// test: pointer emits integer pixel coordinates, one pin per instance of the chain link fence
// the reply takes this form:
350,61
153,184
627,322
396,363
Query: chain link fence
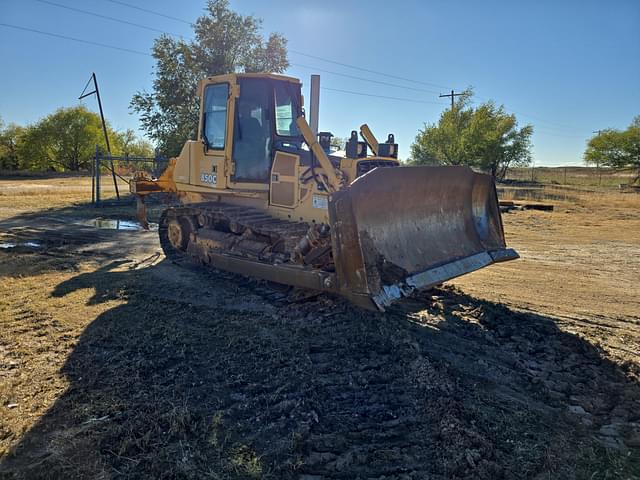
111,174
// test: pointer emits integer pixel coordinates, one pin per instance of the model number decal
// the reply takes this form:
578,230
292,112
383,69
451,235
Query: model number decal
209,178
320,201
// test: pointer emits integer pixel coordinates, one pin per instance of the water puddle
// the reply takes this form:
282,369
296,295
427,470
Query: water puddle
111,224
6,245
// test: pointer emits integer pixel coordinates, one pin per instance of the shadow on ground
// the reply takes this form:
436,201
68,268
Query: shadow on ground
452,387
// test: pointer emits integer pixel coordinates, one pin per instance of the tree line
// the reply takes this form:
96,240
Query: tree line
64,141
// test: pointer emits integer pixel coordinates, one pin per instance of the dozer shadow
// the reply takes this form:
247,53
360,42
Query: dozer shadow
461,388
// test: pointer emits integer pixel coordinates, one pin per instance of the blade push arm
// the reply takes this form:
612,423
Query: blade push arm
335,182
370,138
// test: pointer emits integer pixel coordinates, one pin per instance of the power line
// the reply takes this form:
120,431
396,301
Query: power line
153,12
380,96
106,17
384,74
146,27
554,124
346,65
537,130
65,37
362,78
137,52
533,117
90,42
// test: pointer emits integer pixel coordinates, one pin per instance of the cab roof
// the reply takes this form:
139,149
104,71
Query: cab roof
230,77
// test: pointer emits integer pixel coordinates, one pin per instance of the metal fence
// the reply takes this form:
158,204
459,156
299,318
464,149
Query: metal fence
119,170
573,175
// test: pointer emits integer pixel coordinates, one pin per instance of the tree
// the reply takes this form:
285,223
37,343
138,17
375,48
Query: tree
616,148
64,140
127,144
486,138
225,42
10,136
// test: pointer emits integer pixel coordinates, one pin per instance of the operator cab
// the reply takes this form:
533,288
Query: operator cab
253,116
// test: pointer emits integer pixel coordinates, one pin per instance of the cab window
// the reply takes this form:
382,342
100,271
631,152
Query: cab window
285,111
214,129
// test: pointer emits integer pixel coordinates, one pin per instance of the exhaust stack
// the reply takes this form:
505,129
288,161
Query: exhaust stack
314,104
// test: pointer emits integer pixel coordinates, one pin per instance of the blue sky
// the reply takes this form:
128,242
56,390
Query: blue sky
567,67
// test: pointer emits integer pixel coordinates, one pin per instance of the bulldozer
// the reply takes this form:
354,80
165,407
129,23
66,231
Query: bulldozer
261,194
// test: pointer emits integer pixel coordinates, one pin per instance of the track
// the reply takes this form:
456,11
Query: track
280,235
247,241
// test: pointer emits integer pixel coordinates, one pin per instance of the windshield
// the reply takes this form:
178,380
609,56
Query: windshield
286,110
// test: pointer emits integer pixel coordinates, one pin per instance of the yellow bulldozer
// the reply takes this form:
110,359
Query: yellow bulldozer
263,195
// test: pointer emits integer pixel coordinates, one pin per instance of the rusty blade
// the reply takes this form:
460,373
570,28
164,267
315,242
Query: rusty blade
394,226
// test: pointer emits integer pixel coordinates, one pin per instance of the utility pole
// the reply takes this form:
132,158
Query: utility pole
104,126
452,95
598,163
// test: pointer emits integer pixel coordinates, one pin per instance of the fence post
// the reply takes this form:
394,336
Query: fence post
97,167
93,183
599,175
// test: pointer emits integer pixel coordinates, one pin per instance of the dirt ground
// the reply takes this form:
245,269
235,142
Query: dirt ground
115,363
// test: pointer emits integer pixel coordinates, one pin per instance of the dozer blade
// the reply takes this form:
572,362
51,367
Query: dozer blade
395,230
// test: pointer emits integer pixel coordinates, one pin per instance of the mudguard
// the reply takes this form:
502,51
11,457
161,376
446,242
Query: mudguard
395,230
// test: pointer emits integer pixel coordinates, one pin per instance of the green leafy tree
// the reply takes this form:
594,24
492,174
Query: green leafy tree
485,137
225,42
616,148
126,143
10,137
64,140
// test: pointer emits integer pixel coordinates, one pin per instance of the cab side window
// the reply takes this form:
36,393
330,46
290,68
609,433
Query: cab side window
285,111
214,129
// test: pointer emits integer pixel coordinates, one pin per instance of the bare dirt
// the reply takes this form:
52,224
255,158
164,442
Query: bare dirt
115,363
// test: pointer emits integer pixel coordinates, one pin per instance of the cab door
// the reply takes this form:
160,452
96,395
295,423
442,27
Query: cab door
208,169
